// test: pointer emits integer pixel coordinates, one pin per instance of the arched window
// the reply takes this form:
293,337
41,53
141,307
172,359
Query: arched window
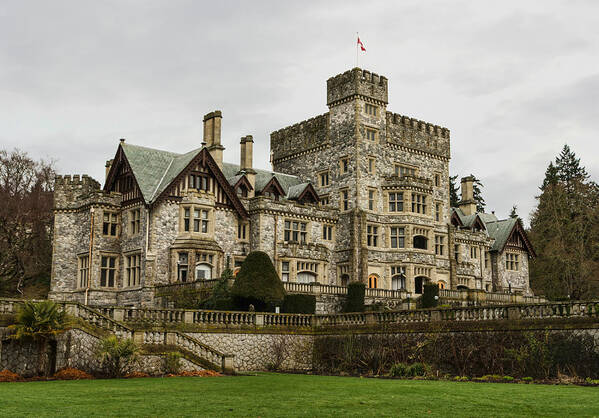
420,242
203,271
344,279
441,284
398,282
419,284
373,281
306,277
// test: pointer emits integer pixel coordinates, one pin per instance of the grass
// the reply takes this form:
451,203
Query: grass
277,395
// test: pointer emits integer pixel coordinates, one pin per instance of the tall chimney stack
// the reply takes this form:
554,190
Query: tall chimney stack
108,167
212,136
246,163
467,204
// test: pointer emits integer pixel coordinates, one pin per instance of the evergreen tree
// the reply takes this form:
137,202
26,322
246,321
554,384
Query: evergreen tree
565,231
478,195
453,191
514,213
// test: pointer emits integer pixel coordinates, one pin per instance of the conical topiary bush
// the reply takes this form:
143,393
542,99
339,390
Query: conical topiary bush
258,283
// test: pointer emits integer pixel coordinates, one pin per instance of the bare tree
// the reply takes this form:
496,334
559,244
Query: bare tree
26,219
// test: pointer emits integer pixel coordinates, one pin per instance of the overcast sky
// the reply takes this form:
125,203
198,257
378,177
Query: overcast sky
512,80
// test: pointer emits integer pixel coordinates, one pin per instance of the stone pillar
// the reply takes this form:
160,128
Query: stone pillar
119,314
138,337
188,317
259,320
171,338
513,313
228,365
371,318
435,316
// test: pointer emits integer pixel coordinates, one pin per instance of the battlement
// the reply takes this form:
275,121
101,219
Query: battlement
77,181
357,82
417,134
299,137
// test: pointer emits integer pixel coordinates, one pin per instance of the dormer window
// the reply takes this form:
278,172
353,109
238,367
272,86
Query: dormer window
199,181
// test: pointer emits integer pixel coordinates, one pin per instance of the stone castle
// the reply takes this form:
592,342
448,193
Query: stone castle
357,193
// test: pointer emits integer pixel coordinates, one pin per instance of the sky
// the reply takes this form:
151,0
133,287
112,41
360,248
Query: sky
513,80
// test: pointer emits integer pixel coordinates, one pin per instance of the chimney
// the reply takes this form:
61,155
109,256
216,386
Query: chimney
212,127
467,204
108,167
245,165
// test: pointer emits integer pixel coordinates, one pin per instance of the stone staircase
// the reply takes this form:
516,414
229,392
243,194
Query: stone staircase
191,349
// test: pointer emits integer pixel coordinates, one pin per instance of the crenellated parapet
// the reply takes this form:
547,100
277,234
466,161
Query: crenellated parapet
302,136
73,192
357,83
418,135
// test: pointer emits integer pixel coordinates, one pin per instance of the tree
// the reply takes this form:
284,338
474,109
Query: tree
40,322
565,231
258,283
478,195
453,191
26,220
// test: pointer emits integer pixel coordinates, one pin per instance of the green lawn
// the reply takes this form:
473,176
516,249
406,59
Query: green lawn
274,395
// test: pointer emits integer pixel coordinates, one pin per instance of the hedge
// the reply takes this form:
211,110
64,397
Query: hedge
355,297
302,304
428,295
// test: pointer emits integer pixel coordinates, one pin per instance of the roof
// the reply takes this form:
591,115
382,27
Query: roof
288,182
155,169
500,230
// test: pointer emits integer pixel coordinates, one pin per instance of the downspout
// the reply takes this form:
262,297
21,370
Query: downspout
274,253
91,245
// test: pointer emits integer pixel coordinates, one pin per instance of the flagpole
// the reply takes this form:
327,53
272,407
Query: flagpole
357,37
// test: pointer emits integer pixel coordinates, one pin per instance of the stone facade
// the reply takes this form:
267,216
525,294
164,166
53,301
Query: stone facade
358,193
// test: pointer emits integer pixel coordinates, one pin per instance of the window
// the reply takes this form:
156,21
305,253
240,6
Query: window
324,179
83,273
182,267
237,266
437,179
199,182
285,271
132,270
420,242
344,274
371,165
107,271
418,203
203,271
324,200
473,252
373,281
307,272
512,262
344,165
398,277
295,231
438,212
441,284
344,199
196,218
456,252
402,170
134,224
396,202
110,224
370,109
371,134
397,237
242,230
371,199
372,235
439,245
487,259
327,232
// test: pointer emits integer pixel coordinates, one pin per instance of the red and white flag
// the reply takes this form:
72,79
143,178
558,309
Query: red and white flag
361,45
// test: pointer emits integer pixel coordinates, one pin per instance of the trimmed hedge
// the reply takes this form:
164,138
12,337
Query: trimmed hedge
428,295
303,304
355,297
257,283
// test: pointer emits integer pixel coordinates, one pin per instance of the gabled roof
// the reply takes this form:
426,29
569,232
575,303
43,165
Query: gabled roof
264,177
468,221
302,192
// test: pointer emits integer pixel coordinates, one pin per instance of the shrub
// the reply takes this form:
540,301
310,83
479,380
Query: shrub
508,379
399,370
118,356
172,362
355,297
418,369
301,304
428,295
257,283
220,298
8,376
72,374
527,379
